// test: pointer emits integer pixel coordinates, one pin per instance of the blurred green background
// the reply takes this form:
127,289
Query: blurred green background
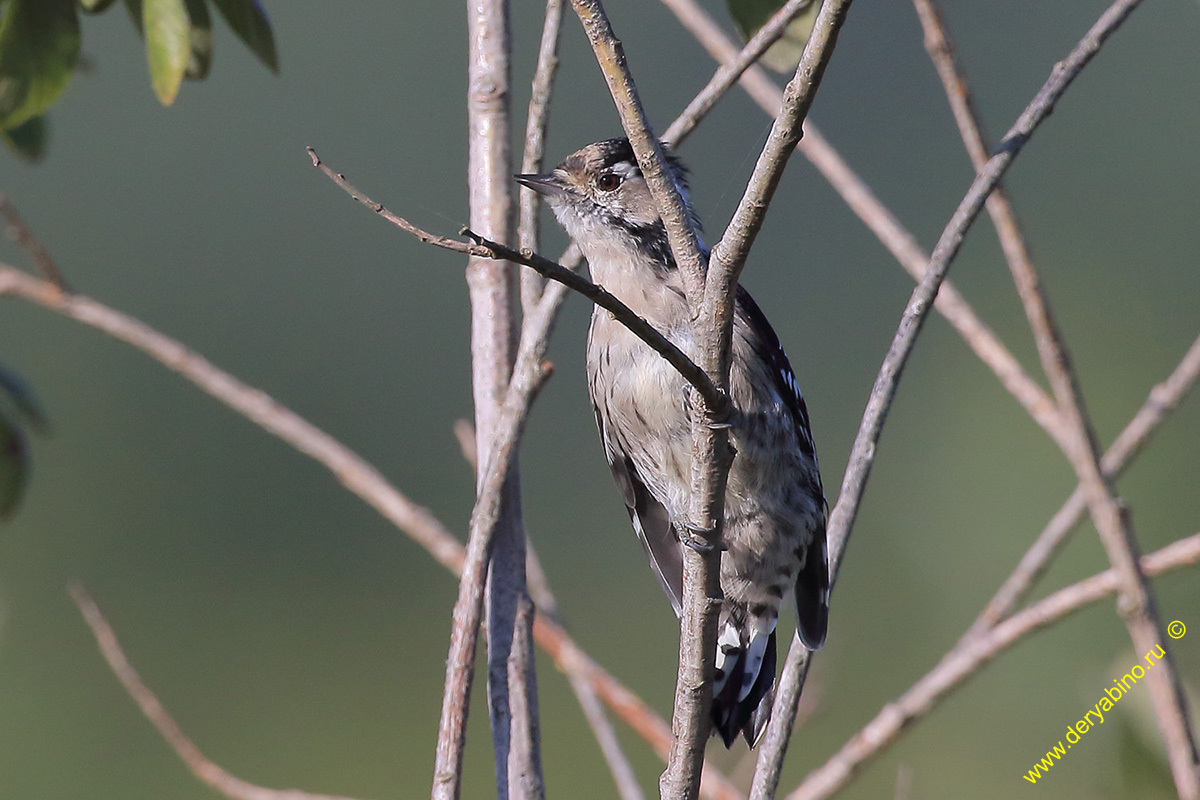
300,640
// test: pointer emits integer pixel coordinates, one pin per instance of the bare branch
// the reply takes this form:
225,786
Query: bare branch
24,237
206,771
358,476
1138,604
646,146
863,453
899,242
732,69
1162,400
535,140
961,663
729,254
485,248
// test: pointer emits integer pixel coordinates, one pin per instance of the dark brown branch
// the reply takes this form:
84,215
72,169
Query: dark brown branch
206,771
485,248
24,237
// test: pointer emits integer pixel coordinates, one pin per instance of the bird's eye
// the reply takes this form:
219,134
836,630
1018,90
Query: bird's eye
608,181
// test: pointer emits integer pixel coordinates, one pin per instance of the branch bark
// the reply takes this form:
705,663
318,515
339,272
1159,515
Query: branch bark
1138,605
961,663
205,770
358,476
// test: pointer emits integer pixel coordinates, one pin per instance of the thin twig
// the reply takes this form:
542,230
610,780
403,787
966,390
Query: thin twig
205,770
899,242
1138,605
1162,399
610,55
485,248
535,144
960,664
24,237
711,455
527,378
732,69
358,476
729,254
862,455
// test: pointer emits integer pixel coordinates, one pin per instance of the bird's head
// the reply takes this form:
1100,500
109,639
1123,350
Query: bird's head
599,195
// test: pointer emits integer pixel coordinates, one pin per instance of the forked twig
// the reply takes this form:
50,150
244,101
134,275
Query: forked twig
1139,606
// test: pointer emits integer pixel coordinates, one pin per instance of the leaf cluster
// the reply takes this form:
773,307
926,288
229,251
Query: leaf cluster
40,44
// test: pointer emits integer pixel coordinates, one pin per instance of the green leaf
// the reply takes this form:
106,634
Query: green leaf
784,55
134,7
95,6
39,45
28,140
249,22
23,400
200,40
168,47
14,467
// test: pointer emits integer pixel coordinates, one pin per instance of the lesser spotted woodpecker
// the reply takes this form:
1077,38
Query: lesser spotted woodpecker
775,510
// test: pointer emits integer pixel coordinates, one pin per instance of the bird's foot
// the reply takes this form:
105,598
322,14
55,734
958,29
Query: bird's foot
697,536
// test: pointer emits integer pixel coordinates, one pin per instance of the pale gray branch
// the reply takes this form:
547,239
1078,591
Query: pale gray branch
899,242
535,140
24,237
732,69
205,770
1138,605
961,663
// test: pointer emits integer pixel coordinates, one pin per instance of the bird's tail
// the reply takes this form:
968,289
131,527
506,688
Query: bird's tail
744,686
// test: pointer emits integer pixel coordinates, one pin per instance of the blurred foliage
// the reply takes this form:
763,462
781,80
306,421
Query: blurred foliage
17,403
784,55
40,43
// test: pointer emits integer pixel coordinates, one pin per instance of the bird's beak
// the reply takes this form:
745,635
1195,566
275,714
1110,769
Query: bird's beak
548,184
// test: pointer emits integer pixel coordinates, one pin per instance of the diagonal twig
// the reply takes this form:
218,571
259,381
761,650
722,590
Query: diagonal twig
485,248
205,770
1138,605
899,242
961,663
353,472
536,121
24,237
732,69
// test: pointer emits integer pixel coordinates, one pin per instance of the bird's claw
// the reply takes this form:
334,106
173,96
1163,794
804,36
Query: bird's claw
689,536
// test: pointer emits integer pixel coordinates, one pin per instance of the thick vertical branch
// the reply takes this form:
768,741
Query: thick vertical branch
500,537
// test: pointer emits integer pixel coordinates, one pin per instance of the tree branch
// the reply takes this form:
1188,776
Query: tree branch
732,69
535,139
358,476
1138,605
961,663
206,771
1162,399
646,147
879,220
24,237
485,248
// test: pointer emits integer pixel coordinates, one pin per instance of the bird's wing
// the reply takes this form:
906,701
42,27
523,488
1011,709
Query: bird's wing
650,519
812,584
